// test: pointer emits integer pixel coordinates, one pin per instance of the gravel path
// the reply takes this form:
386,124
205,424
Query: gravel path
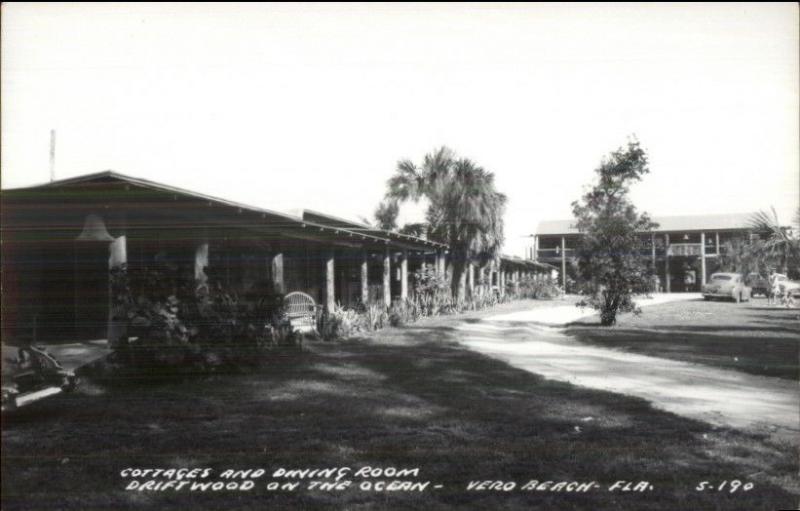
533,340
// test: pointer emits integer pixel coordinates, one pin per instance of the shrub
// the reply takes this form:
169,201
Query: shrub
402,313
432,294
375,316
341,323
172,323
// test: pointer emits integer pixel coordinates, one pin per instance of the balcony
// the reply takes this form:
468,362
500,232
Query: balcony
553,254
692,249
684,249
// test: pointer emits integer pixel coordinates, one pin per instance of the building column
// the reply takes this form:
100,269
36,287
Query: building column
200,263
564,263
364,277
404,275
387,279
471,279
330,287
716,240
702,259
277,272
116,328
653,249
667,285
462,284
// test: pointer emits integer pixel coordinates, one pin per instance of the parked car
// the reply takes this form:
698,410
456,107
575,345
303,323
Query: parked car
30,374
727,285
789,285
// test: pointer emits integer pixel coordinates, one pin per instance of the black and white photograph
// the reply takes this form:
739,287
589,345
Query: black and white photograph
400,256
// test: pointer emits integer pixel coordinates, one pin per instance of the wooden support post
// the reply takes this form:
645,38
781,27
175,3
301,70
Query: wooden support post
471,280
653,250
702,259
462,283
564,263
387,279
118,256
277,272
330,288
404,276
667,284
364,277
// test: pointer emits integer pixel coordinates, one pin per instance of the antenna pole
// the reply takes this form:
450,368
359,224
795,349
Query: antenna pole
52,155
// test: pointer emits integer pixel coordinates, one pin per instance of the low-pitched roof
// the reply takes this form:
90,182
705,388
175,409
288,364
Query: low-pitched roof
318,220
350,225
718,222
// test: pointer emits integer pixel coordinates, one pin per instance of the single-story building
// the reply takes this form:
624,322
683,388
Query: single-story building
684,250
60,241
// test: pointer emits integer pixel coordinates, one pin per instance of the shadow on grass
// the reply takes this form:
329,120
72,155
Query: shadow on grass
403,398
755,349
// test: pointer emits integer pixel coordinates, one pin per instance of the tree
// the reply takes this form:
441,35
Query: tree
744,256
386,215
611,268
778,244
465,211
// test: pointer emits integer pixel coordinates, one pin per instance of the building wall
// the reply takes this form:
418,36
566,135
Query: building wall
678,256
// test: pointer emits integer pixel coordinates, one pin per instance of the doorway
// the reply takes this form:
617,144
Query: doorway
90,290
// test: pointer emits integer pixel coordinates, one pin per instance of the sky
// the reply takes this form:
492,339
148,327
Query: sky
311,106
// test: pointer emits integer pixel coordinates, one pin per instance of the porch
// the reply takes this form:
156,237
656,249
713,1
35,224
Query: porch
62,239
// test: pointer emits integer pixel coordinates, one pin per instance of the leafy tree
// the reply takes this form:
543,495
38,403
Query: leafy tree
611,268
386,215
744,257
778,245
465,210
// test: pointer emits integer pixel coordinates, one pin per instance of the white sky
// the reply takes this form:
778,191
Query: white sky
291,106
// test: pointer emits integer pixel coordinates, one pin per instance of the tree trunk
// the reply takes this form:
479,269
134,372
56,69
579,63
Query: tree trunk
458,284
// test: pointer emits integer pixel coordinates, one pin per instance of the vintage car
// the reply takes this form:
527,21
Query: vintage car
784,284
30,374
727,285
792,286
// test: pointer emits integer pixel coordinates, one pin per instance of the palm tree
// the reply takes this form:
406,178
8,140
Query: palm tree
779,243
465,211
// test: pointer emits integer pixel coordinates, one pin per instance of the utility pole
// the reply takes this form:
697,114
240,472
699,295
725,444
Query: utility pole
52,155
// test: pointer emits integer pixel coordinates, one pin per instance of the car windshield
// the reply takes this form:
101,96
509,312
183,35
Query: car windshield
720,277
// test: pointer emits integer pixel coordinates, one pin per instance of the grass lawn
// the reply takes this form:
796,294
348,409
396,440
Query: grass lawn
403,398
751,337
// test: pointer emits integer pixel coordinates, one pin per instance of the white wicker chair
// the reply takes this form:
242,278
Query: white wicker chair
301,310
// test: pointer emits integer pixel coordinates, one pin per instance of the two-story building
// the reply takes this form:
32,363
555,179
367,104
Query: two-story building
684,250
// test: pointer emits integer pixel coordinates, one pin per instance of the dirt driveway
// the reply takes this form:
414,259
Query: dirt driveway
720,397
